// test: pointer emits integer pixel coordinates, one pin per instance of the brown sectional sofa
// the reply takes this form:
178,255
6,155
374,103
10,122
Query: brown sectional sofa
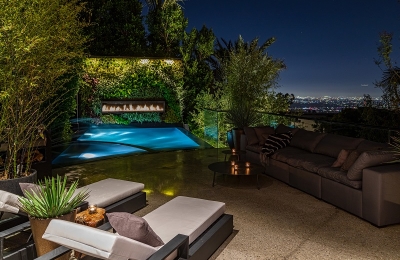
369,187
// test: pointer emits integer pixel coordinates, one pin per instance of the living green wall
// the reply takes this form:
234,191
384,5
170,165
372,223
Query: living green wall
132,78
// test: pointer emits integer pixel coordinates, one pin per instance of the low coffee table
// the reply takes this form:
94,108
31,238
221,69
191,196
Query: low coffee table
227,169
236,153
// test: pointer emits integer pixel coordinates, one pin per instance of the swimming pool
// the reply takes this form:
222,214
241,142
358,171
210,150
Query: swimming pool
100,142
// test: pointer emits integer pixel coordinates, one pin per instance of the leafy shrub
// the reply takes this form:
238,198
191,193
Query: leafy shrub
114,119
152,117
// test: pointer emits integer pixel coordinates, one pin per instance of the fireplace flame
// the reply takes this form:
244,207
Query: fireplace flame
132,108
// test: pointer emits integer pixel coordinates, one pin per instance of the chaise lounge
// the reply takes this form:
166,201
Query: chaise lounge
112,194
191,228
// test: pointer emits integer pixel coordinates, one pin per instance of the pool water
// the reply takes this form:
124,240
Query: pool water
100,142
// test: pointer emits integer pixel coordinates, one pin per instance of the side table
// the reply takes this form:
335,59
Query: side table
87,218
227,169
91,219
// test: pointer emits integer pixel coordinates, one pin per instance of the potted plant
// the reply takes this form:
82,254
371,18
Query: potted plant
50,199
41,46
249,73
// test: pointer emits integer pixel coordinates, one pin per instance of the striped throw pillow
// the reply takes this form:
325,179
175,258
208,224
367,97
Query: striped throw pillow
276,142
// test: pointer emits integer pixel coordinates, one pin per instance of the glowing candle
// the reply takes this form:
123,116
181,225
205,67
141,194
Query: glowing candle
247,164
232,163
233,150
92,209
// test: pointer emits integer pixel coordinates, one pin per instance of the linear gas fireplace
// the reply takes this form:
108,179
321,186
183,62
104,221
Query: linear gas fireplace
129,106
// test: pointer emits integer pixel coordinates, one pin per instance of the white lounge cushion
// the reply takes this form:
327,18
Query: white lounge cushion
96,242
184,215
9,202
108,191
181,215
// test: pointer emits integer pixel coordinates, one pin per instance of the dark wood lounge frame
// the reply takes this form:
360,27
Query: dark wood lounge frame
200,249
28,252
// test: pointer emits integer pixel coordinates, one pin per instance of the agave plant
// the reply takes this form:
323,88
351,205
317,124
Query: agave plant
52,198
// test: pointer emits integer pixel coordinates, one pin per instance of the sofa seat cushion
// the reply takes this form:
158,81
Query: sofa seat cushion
332,144
310,162
284,154
369,159
109,191
184,215
254,148
336,174
306,140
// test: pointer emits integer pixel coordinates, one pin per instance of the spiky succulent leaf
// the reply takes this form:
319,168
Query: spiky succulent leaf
52,199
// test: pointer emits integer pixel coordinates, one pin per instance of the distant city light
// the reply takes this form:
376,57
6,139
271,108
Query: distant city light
327,104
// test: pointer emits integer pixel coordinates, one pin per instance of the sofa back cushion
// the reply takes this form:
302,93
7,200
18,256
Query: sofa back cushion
281,129
367,145
332,144
306,140
369,159
263,132
251,135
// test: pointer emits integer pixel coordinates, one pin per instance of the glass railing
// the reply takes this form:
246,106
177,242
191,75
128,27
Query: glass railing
216,127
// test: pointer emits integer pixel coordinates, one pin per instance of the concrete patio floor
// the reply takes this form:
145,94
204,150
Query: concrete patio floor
275,222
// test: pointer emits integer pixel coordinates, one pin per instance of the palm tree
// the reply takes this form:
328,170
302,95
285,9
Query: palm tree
224,49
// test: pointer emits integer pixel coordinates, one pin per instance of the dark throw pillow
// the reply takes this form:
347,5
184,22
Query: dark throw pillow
134,227
351,158
29,187
275,142
341,158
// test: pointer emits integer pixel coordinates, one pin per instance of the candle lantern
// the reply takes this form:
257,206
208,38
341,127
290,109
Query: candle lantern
92,209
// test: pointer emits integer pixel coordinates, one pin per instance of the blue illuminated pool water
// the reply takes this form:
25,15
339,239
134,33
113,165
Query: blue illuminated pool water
100,142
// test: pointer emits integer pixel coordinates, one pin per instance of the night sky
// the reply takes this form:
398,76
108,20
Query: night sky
328,46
